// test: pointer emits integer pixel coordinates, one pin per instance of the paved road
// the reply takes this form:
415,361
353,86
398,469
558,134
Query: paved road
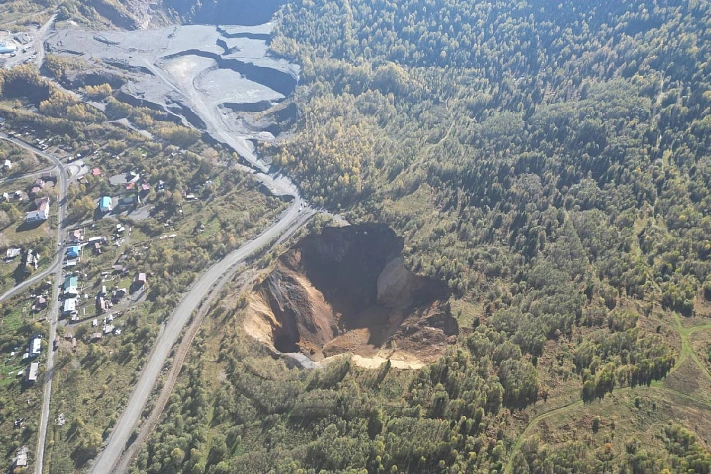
36,174
129,454
56,267
164,343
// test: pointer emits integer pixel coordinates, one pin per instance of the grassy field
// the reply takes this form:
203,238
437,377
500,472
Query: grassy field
640,413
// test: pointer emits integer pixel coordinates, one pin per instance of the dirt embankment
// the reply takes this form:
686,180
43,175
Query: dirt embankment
348,291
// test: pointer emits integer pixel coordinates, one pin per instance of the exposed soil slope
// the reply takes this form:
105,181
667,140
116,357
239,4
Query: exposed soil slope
348,291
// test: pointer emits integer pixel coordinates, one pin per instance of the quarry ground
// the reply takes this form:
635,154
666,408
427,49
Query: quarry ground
215,78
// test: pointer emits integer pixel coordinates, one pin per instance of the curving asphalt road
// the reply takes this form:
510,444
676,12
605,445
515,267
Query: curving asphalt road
107,460
56,267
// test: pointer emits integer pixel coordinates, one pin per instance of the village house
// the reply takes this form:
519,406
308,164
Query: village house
70,286
120,269
31,259
75,236
102,240
70,307
73,252
37,186
21,456
42,212
102,303
106,204
13,252
139,281
40,303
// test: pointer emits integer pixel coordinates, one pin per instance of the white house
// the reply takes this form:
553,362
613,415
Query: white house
13,252
70,306
42,212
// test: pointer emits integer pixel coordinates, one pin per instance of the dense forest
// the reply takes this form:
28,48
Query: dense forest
548,137
550,162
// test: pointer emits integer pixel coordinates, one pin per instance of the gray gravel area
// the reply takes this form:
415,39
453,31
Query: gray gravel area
202,68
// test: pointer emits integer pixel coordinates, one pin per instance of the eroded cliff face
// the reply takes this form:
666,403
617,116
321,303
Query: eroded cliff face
347,290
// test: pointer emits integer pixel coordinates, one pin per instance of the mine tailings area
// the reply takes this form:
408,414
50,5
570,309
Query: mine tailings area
347,290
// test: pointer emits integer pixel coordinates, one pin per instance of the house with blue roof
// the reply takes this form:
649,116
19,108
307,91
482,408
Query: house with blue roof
70,285
106,204
73,251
